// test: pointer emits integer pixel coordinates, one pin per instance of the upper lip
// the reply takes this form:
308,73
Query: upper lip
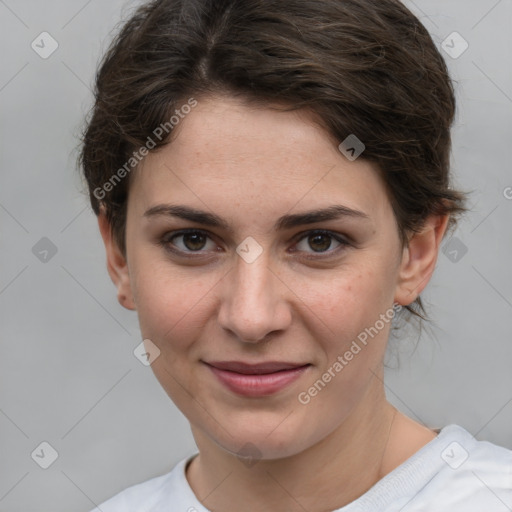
255,369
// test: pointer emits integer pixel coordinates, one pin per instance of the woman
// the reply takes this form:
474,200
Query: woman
271,181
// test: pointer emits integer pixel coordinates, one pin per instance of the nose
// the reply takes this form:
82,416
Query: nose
253,303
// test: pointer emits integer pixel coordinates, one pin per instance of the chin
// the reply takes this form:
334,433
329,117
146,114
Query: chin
252,442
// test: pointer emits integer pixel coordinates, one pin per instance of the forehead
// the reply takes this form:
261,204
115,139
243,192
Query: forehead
227,153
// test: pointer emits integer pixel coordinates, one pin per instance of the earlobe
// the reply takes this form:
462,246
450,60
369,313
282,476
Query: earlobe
419,259
116,264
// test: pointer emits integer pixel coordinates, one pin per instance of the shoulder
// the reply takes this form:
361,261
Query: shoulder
477,463
170,488
454,472
471,475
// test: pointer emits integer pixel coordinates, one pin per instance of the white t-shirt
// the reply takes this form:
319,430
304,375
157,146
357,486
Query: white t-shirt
452,473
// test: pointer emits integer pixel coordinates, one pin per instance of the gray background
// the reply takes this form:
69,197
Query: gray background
68,375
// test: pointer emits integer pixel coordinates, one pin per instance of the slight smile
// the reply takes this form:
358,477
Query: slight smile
256,380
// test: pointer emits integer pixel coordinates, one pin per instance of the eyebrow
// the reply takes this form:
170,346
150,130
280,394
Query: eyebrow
287,221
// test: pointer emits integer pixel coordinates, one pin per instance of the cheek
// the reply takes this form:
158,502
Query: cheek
171,305
172,308
353,352
346,303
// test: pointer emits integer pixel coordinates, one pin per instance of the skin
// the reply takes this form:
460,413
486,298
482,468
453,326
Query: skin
302,300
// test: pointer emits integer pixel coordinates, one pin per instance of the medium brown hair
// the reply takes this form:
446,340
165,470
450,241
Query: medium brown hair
363,67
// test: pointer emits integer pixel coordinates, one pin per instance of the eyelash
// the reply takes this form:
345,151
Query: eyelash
165,242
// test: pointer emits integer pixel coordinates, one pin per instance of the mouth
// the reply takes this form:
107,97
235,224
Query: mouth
256,380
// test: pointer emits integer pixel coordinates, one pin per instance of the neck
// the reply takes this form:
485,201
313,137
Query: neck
325,476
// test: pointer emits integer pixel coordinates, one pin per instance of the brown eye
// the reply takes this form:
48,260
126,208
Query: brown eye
320,242
188,242
194,241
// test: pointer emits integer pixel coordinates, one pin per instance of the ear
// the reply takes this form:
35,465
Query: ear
116,264
419,259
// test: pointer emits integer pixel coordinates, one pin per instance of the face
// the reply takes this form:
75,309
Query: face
249,292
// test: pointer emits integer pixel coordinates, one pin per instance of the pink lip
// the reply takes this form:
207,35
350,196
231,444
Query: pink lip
256,379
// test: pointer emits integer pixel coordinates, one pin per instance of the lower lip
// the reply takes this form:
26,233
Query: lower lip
258,385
